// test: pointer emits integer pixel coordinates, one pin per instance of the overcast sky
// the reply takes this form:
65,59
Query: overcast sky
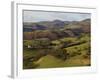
36,16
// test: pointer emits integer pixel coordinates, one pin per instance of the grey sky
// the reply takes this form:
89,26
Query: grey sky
36,16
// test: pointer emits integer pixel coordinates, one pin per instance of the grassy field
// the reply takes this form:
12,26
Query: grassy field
51,62
78,56
62,52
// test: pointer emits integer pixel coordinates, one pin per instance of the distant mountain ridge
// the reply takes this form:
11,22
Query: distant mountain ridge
51,25
56,29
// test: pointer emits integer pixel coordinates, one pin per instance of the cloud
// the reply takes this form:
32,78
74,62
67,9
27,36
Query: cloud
36,16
